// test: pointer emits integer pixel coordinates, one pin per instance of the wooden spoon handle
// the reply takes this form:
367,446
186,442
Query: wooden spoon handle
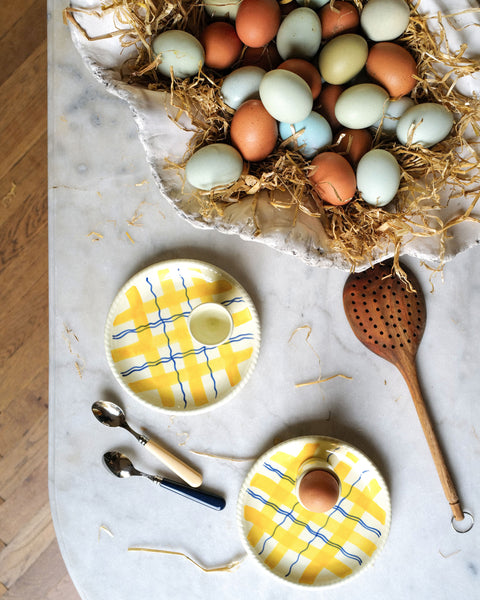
409,373
186,472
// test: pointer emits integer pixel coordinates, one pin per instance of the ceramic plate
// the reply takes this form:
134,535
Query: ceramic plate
151,351
307,548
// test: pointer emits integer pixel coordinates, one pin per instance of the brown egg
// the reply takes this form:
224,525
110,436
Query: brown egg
342,18
333,178
221,44
266,57
306,71
326,103
318,490
253,131
393,67
257,22
353,144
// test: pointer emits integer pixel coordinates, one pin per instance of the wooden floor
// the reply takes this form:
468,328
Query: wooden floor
31,567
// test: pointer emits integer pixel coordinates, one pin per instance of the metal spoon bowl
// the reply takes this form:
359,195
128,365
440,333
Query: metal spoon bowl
111,415
121,466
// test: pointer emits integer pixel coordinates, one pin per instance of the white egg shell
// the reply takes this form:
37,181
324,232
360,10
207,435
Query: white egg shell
286,96
393,111
222,8
425,124
241,85
214,165
378,177
180,51
313,3
316,134
361,105
384,20
300,34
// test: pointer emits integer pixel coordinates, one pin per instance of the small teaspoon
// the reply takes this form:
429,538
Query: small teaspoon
121,466
111,415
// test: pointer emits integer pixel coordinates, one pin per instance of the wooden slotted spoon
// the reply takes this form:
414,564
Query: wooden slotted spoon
390,320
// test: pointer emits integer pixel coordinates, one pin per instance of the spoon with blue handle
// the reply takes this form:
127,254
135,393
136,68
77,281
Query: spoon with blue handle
121,466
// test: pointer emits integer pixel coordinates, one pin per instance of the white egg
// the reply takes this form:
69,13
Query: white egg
179,51
393,111
425,124
222,8
241,85
361,105
316,134
378,177
214,165
286,96
300,34
384,20
313,3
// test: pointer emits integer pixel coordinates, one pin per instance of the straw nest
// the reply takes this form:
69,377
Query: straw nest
357,230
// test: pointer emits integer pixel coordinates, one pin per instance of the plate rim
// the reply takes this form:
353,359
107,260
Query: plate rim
167,264
240,504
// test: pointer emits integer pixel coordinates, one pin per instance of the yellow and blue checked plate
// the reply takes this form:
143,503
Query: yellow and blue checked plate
149,346
304,547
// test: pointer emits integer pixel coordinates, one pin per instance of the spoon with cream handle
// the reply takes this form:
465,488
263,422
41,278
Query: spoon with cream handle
111,415
121,466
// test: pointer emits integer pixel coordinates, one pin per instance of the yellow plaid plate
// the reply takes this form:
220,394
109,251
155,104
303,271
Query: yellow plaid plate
149,346
304,547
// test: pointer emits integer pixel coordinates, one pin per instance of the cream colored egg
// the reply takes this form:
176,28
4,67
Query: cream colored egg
300,34
361,105
286,96
384,20
342,58
178,51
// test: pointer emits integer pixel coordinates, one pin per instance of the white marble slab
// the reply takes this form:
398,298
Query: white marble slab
99,182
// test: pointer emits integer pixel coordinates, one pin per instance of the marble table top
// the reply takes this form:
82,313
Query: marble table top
107,221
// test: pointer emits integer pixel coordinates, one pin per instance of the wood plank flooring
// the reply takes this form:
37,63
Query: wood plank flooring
31,567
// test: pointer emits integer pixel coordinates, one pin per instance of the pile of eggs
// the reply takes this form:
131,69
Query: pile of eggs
330,77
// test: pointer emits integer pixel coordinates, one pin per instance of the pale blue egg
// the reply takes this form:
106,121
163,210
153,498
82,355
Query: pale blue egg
316,134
